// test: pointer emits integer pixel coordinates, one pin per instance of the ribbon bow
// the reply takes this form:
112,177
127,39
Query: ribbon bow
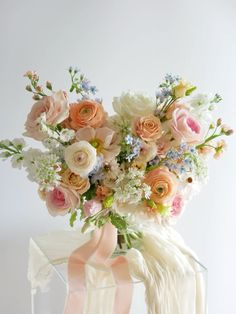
99,250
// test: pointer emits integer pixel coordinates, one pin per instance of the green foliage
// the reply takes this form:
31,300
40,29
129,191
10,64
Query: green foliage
118,221
73,218
190,90
90,194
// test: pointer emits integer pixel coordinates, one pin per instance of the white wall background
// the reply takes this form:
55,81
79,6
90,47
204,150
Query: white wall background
120,45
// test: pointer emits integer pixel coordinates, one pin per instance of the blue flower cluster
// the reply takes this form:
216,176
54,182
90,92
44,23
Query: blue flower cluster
165,88
81,84
180,160
171,79
135,144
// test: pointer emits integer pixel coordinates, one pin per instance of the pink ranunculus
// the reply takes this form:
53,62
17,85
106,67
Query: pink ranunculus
61,200
177,205
92,207
185,127
56,109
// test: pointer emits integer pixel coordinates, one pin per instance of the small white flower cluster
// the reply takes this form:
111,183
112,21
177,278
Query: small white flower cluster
63,136
130,188
42,168
54,147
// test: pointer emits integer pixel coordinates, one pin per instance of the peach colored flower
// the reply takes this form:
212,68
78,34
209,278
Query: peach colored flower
87,113
163,185
102,192
205,150
81,158
163,145
56,109
75,182
61,200
148,128
91,207
148,152
104,140
220,148
185,127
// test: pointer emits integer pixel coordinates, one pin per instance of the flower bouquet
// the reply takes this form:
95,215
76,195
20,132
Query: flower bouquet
130,172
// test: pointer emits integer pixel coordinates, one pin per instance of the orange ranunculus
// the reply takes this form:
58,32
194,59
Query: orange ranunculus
86,113
163,185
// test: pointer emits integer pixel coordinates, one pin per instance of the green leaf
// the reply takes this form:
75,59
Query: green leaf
73,218
72,88
119,222
90,193
189,91
85,226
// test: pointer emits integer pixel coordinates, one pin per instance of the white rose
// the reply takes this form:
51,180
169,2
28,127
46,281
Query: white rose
81,158
130,104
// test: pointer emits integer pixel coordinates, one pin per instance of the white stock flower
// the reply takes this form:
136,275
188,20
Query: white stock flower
42,168
17,161
130,105
66,135
81,158
19,142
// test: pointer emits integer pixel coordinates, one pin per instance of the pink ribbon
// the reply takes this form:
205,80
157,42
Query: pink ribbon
99,249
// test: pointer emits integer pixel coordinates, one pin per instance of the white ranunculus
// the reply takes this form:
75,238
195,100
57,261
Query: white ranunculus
130,104
81,158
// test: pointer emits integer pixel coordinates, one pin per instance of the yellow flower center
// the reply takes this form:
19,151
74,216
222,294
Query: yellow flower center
96,143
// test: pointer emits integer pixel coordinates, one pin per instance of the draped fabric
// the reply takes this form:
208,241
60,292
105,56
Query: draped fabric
169,270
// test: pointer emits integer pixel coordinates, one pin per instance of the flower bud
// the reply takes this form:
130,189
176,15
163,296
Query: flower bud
229,132
218,122
28,88
36,97
49,85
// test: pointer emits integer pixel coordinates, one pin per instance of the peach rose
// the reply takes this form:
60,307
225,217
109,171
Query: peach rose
75,182
148,128
81,158
55,107
61,200
163,185
185,127
86,113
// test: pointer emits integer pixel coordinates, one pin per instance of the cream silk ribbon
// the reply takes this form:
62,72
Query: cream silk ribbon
98,251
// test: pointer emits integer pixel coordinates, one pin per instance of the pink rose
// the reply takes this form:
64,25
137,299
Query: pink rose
61,200
92,207
56,109
177,205
185,127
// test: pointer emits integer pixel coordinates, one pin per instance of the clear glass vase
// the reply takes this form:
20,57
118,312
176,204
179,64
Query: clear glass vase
52,299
